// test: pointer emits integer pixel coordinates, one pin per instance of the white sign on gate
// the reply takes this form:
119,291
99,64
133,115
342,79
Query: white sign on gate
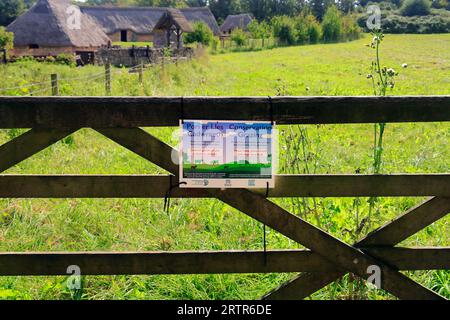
227,154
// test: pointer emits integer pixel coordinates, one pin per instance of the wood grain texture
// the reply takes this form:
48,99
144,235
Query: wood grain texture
391,234
330,248
28,144
156,186
205,262
105,112
409,223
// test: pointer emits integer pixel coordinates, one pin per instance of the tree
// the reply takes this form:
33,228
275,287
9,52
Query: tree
197,3
319,7
147,3
259,30
346,6
202,34
238,36
6,39
29,3
10,10
332,24
222,8
415,8
284,29
260,9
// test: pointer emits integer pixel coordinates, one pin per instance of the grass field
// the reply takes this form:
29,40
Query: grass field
140,224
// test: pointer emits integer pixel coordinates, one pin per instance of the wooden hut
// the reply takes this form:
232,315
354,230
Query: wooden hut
169,29
46,30
237,21
135,24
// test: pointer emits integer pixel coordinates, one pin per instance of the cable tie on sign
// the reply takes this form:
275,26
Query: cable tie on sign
264,229
182,110
169,193
271,110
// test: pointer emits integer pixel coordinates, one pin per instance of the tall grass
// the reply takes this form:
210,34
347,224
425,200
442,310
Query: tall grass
206,224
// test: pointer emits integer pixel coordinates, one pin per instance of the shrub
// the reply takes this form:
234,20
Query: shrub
416,24
314,32
301,30
415,8
314,28
202,34
350,28
50,59
66,59
254,28
437,22
284,29
332,25
307,28
238,36
6,39
214,43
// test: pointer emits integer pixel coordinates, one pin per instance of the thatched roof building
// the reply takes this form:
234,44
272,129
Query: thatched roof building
47,29
238,21
173,17
169,29
137,23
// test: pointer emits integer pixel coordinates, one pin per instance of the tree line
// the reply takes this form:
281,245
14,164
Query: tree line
260,9
284,30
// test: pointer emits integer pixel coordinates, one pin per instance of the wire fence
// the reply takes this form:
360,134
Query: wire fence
51,87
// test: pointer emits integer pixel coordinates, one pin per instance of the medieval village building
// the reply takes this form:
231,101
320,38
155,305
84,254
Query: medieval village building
136,24
47,28
237,21
169,29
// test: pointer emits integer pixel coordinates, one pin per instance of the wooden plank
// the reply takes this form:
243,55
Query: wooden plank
143,186
28,144
136,140
302,286
103,112
330,248
307,283
412,221
412,258
91,186
197,262
394,232
204,262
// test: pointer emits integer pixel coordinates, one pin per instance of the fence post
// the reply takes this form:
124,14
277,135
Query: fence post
163,60
55,86
141,73
108,79
4,56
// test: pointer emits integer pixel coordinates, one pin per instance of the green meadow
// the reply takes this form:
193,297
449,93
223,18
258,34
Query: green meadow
202,224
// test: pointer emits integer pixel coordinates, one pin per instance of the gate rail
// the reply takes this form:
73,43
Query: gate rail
328,258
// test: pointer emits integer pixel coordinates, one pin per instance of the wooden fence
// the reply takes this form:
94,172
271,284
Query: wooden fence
328,258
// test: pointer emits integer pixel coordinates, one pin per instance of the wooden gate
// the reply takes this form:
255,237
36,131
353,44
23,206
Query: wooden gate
120,119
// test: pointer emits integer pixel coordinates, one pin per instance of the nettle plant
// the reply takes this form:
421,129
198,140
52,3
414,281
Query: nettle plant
383,79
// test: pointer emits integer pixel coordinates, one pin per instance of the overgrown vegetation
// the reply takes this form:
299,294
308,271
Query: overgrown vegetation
415,8
202,34
6,39
411,16
238,36
196,224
